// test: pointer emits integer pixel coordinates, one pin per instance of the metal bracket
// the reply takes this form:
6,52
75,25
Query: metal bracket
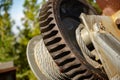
106,40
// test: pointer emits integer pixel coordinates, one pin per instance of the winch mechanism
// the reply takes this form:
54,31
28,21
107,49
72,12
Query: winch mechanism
75,43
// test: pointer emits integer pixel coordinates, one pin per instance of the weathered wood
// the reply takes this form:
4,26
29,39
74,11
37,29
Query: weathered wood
7,71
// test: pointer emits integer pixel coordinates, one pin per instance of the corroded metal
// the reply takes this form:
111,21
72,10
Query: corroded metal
58,21
109,7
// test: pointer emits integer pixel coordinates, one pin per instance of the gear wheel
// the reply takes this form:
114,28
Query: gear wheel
58,22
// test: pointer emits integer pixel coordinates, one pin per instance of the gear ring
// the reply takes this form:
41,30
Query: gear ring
56,36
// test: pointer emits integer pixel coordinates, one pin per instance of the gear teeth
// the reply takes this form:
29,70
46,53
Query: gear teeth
50,27
48,41
58,56
92,77
45,16
54,41
70,66
49,34
64,60
46,5
45,8
75,72
43,11
58,48
46,22
60,52
83,76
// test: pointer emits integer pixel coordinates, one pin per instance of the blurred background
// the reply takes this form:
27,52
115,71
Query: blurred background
18,24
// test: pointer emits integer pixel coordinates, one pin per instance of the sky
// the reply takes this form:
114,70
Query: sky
17,13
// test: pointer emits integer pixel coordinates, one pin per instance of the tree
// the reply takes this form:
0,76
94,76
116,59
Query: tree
31,29
6,36
14,48
93,3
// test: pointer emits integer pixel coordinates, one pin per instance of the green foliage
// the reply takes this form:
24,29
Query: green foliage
14,48
28,75
6,36
31,29
5,5
95,6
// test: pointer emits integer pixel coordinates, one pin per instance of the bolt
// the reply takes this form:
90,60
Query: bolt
118,23
102,26
98,27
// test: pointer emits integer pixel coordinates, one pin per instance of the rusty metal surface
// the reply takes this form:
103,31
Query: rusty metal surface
58,21
109,7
